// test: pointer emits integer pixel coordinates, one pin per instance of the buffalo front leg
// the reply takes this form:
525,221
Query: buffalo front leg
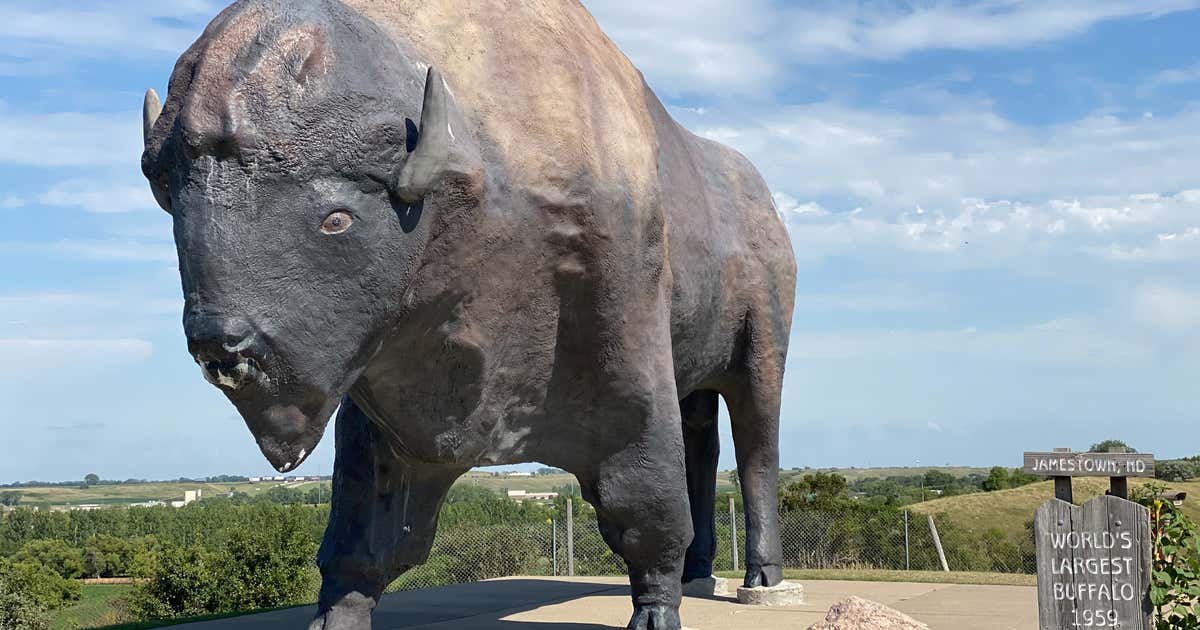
640,496
382,522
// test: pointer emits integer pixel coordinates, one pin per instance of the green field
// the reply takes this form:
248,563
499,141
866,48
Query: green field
46,496
96,609
1009,510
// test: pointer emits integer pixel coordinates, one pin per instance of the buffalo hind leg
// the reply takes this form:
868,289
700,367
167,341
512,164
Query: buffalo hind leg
753,401
702,447
640,496
382,522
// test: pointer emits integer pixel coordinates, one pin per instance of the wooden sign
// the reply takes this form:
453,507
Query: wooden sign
1068,464
1093,565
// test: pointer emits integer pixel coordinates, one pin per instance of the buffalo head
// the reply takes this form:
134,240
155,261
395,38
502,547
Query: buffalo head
302,192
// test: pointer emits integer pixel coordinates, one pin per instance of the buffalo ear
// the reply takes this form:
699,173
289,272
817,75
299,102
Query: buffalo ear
151,109
431,157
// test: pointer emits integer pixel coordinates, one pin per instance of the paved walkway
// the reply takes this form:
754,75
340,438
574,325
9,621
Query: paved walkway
528,603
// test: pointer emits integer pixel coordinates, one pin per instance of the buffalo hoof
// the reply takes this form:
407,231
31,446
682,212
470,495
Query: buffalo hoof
654,618
339,618
763,575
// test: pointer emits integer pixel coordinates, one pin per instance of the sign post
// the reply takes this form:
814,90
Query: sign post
1093,561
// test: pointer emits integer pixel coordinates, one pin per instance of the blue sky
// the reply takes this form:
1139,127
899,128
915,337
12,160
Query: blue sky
995,207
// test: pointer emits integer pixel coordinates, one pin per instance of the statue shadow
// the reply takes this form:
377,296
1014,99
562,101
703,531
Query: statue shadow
488,605
476,606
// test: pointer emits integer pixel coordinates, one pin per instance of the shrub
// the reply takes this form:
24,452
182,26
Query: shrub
185,582
42,586
105,555
266,565
1178,470
55,554
18,612
1175,575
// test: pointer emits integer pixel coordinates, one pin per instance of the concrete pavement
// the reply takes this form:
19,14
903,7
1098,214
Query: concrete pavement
532,603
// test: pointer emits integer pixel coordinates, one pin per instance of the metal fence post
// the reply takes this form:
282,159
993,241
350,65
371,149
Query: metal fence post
554,545
907,562
733,550
570,536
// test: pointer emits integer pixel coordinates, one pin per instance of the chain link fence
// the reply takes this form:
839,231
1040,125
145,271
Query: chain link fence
811,539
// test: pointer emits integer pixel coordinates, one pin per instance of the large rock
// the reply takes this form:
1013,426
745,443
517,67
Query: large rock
856,613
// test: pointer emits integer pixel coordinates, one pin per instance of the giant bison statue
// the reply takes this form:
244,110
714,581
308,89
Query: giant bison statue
472,226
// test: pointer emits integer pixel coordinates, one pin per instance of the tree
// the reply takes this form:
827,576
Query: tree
55,555
819,490
91,479
38,585
997,479
18,611
1111,446
939,479
10,498
1178,470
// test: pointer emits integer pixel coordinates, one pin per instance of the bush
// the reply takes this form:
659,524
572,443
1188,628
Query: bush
105,555
18,612
1175,576
44,587
64,559
266,565
26,592
185,582
1177,470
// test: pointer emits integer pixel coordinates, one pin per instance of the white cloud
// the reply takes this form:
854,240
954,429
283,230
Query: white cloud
889,30
23,356
133,310
897,160
71,139
102,27
1062,342
1126,229
1168,308
698,45
1169,77
744,46
116,250
1170,246
99,197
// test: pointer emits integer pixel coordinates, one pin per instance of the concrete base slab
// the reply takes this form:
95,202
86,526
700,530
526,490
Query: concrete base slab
707,587
602,603
783,594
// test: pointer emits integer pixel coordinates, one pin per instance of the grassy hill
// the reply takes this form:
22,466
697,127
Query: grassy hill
1009,510
46,496
123,494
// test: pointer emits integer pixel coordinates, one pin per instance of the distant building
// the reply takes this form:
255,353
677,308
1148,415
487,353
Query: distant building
85,507
189,496
521,496
255,479
147,504
520,474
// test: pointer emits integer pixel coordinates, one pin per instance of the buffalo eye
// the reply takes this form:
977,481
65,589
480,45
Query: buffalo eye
337,222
